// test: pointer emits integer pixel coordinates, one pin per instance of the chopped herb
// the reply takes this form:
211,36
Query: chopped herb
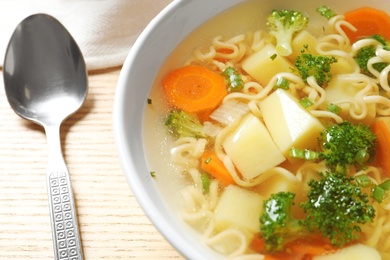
149,101
333,108
385,185
205,182
282,83
153,174
273,56
306,102
303,154
326,12
378,193
234,79
363,180
208,160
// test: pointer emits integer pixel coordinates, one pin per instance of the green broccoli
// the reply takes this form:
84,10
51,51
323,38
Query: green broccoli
317,66
278,226
342,145
184,124
336,207
364,54
283,24
346,144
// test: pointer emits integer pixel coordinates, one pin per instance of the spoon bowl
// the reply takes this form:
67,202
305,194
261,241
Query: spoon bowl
45,81
44,69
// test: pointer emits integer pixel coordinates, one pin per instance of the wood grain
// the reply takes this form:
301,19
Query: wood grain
112,224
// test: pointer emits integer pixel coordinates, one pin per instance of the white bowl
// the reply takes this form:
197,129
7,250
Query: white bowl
137,77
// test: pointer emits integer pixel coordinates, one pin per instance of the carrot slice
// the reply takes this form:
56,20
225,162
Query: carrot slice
382,133
223,51
368,21
215,167
311,246
194,88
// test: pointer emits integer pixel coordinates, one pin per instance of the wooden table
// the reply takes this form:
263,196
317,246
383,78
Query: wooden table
112,224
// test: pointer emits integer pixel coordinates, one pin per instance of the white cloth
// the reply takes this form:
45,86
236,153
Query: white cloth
105,30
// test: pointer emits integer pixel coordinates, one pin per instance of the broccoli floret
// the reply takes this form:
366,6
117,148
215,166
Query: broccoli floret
317,66
278,226
364,54
342,145
336,207
283,24
184,124
346,144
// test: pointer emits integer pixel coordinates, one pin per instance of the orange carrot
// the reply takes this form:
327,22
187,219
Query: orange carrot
223,51
215,167
312,246
194,88
368,21
257,244
382,133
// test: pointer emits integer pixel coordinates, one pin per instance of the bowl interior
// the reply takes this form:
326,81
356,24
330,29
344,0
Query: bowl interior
162,46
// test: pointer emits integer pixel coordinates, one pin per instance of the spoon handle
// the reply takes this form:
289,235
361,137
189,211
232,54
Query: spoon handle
65,231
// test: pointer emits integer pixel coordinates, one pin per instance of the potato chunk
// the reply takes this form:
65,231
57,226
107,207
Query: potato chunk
302,39
289,123
339,89
251,149
239,208
265,64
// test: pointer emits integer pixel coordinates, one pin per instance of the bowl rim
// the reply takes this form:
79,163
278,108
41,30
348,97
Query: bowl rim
186,246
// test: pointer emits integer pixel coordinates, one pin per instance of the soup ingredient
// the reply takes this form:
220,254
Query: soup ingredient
289,123
341,89
364,54
215,167
342,145
206,181
277,224
336,207
367,21
239,208
346,144
284,24
326,12
265,64
230,111
355,252
251,148
184,124
194,88
380,127
318,66
234,78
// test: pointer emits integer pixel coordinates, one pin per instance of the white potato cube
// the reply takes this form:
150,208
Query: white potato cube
251,149
240,208
289,123
355,252
339,89
263,65
299,41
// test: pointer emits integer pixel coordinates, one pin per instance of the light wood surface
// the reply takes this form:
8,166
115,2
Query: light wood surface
112,224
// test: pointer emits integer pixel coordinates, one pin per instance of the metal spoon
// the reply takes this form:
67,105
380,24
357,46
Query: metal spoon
45,81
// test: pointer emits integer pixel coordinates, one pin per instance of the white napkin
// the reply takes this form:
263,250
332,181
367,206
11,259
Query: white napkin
104,29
